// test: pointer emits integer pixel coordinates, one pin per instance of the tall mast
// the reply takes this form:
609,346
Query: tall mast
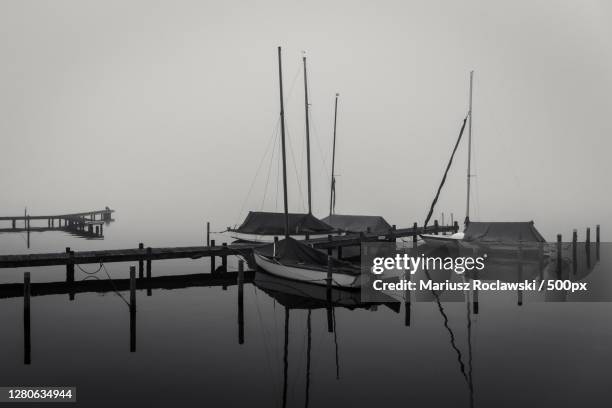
282,117
332,195
469,166
307,134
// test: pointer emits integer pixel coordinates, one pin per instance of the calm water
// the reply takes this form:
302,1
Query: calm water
188,351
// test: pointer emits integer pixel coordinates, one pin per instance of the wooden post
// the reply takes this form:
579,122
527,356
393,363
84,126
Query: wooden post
240,301
133,287
436,227
101,229
132,309
212,258
559,254
70,271
597,243
456,227
392,233
224,257
149,250
330,319
140,262
361,241
97,230
339,252
329,249
407,301
587,246
574,250
414,236
13,224
207,233
588,235
27,345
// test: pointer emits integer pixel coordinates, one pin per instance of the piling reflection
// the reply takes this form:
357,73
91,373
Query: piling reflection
340,310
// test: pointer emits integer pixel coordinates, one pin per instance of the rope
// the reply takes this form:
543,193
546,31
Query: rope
113,285
259,166
269,170
110,279
89,273
435,200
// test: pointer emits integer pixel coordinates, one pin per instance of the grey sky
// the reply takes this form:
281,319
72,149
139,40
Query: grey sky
156,108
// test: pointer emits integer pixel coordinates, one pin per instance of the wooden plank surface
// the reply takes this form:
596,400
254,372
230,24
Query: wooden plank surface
135,254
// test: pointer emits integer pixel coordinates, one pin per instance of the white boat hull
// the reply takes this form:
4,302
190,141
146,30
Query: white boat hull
313,276
269,238
443,241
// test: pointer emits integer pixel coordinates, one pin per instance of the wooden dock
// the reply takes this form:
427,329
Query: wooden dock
88,224
15,290
71,258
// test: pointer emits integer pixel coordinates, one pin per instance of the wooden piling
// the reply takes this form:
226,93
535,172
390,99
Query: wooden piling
207,233
132,309
141,262
148,255
456,227
133,287
597,234
330,318
436,227
587,246
329,250
588,235
70,271
559,254
392,237
240,301
27,345
414,237
224,257
574,250
212,258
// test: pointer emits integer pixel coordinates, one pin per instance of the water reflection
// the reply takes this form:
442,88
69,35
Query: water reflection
439,334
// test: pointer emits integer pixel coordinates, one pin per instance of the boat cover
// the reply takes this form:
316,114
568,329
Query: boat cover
502,232
358,223
289,251
272,223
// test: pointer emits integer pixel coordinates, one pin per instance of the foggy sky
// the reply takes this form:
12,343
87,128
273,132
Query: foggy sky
166,108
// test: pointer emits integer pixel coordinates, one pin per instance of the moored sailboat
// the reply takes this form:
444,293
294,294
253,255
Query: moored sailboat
291,259
495,235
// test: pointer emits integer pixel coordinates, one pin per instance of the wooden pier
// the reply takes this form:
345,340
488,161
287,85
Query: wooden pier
89,224
140,253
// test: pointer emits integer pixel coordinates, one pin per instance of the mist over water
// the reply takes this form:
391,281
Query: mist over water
167,112
164,111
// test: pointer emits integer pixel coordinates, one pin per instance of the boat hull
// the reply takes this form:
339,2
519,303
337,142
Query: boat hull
267,239
313,276
441,241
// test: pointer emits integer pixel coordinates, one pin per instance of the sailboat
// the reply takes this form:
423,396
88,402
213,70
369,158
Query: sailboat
292,259
500,235
261,226
348,223
454,239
